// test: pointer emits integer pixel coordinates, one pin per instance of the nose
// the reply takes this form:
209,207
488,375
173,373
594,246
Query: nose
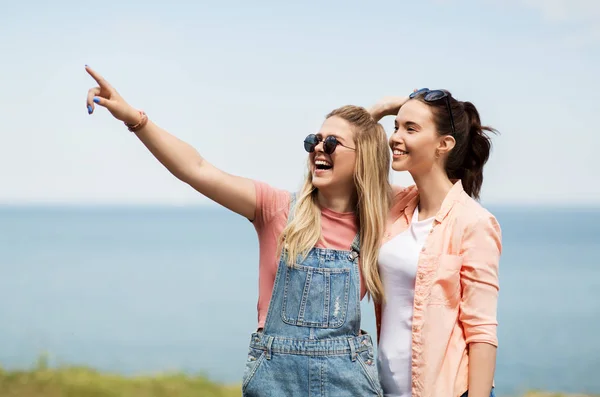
320,147
396,137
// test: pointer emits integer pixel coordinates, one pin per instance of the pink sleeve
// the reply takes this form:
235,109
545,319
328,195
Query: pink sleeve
482,246
269,201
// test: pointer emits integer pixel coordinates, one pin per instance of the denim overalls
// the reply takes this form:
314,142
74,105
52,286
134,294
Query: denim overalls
311,344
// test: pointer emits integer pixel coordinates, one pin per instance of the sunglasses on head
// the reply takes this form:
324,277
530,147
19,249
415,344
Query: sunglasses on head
329,144
435,95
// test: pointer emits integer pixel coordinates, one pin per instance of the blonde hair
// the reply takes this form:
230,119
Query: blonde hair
373,193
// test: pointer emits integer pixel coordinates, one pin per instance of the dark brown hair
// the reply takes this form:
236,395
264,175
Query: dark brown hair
473,145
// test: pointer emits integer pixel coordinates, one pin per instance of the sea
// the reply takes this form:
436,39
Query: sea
145,290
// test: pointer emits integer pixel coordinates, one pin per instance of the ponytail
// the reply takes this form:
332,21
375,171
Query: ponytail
472,149
477,151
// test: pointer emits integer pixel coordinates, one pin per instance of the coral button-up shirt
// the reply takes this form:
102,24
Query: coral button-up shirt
456,289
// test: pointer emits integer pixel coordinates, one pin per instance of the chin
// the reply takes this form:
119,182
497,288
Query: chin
330,183
399,166
321,182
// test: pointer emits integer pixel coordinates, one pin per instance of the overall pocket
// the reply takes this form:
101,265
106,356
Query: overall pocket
255,358
366,360
315,297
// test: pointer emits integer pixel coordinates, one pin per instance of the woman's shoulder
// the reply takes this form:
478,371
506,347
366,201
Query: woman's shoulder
473,215
271,202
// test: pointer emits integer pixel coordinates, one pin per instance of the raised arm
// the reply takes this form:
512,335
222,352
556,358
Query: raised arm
181,159
387,106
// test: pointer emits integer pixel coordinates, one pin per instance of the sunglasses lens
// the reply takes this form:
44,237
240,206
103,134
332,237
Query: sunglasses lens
310,142
418,92
330,144
435,95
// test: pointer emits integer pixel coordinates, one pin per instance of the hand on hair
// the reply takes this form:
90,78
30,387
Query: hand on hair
106,96
387,106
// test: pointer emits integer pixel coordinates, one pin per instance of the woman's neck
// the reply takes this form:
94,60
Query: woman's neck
433,187
337,202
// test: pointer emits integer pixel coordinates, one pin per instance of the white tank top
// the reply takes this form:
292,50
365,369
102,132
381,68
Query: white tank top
398,259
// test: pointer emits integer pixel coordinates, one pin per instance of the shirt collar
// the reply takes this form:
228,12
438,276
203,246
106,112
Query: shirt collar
410,199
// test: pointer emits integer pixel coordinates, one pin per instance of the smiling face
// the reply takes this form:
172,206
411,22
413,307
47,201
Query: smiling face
335,170
416,144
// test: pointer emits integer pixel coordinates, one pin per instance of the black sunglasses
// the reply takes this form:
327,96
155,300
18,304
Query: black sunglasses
435,95
329,143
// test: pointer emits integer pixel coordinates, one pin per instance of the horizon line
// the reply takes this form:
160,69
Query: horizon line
211,205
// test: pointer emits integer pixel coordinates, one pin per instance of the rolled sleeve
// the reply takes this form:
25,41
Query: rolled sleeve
481,250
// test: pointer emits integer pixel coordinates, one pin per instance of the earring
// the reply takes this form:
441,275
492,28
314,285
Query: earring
437,154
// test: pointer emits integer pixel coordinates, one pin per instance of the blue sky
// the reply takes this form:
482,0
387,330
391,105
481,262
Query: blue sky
244,82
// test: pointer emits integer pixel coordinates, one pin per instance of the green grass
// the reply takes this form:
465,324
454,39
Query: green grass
545,394
42,381
69,381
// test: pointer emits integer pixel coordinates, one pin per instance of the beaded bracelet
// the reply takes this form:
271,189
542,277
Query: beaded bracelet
141,124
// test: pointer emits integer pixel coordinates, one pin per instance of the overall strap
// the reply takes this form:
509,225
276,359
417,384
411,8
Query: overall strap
356,243
355,247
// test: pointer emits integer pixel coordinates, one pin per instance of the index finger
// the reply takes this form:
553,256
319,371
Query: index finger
96,76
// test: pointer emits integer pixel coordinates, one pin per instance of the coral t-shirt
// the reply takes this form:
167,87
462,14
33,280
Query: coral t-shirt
272,208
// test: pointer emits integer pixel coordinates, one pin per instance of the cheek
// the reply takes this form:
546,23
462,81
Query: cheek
420,148
345,165
420,157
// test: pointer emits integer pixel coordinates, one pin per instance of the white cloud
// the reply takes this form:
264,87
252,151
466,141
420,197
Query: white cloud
568,11
579,16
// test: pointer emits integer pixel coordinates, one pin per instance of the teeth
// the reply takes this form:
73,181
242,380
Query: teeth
322,162
399,152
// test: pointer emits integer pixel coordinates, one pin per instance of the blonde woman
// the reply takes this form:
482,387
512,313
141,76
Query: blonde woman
318,248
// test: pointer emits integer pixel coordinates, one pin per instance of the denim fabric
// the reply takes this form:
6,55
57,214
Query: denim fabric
312,344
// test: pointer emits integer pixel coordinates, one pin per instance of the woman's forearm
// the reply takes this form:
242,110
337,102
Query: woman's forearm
482,364
387,106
